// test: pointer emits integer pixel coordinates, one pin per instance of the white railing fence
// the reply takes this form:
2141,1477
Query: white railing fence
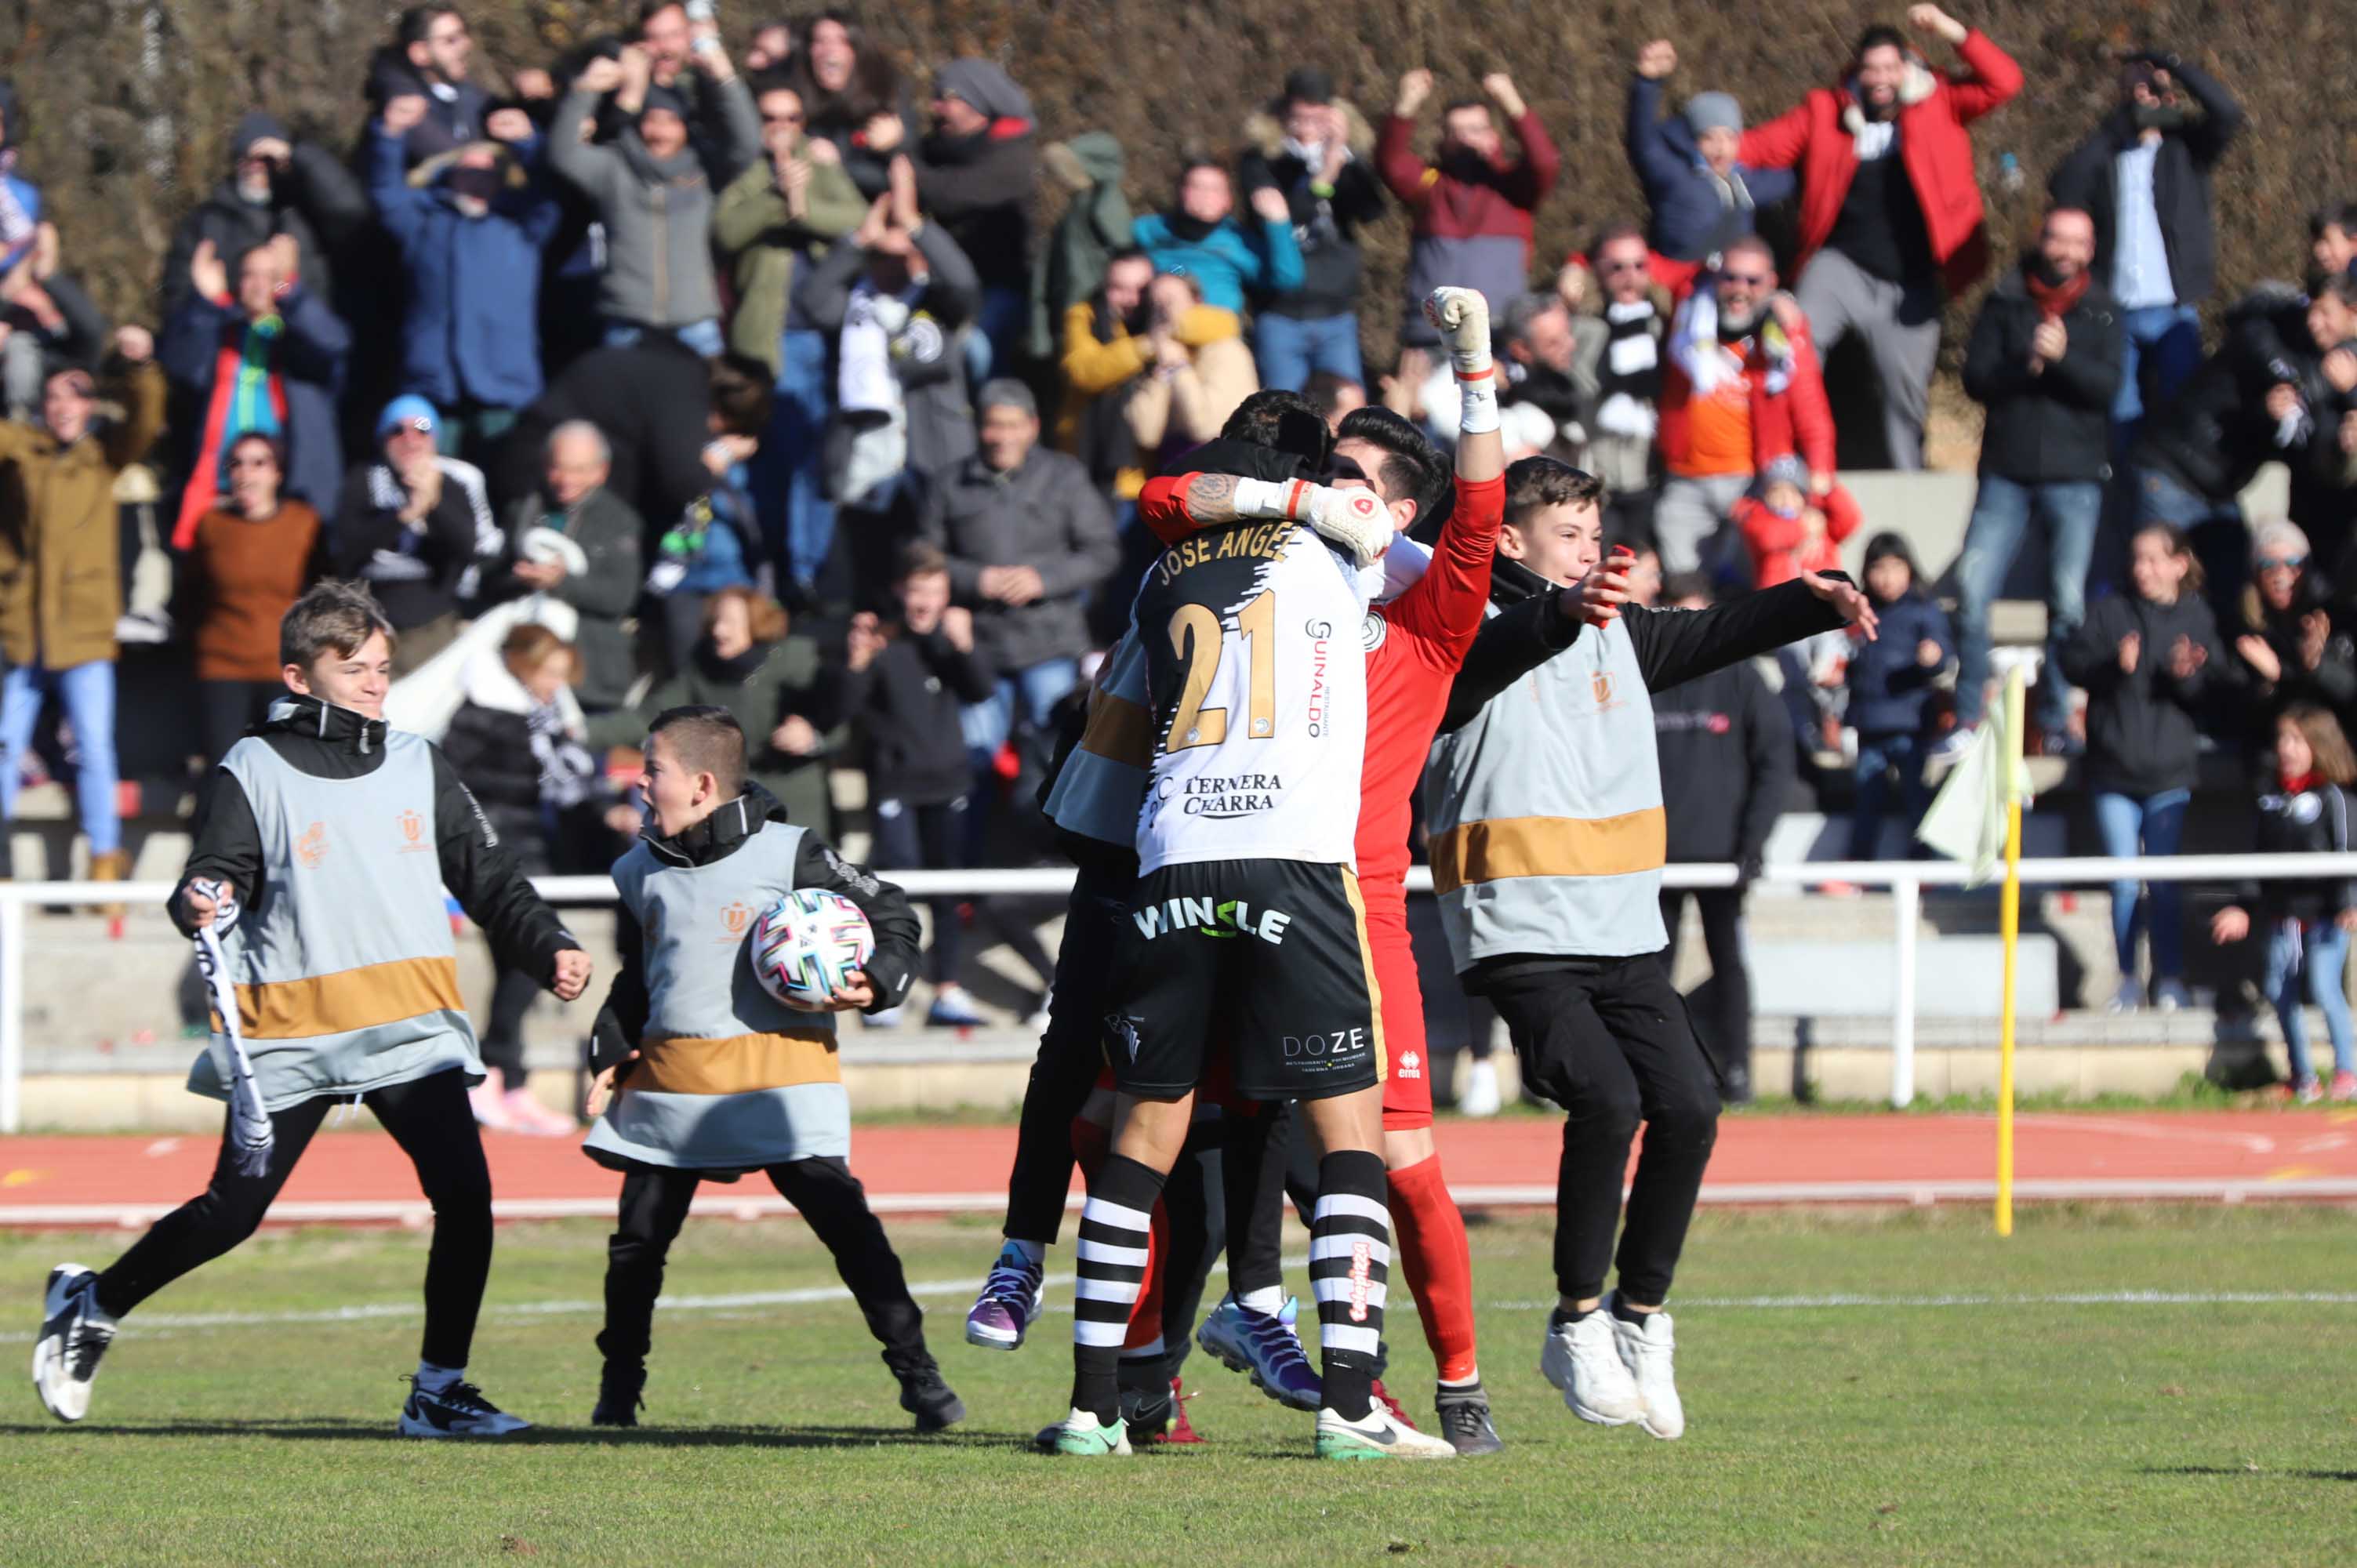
1905,878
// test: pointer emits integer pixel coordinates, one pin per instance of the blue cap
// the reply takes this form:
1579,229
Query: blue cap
410,410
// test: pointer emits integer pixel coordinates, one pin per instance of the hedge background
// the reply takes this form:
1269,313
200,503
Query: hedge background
129,102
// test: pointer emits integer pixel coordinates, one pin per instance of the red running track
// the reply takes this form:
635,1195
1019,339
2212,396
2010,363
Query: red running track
358,1176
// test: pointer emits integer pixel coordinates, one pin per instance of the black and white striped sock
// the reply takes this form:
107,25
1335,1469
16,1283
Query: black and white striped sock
1116,1226
1350,1270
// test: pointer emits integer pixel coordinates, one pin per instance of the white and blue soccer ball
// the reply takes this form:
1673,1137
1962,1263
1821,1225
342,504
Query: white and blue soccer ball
806,943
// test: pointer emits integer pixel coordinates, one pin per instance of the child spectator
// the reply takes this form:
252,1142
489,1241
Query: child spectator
2147,662
908,681
1787,532
710,1076
2308,920
516,742
1890,687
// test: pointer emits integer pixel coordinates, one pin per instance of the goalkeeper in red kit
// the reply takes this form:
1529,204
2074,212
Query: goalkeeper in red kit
1417,642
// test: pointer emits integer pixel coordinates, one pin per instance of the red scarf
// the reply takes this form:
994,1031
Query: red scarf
2301,785
2055,300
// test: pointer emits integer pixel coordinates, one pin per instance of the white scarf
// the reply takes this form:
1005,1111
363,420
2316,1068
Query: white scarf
864,384
250,1131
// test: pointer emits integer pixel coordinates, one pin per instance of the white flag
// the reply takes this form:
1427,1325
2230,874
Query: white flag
1966,820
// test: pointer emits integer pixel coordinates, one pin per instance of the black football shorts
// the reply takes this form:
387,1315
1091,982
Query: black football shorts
1268,958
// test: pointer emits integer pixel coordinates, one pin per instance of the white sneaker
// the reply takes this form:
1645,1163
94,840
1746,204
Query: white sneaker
1479,1095
490,1101
2129,997
882,1019
1381,1435
1649,1350
74,1333
455,1409
1582,1360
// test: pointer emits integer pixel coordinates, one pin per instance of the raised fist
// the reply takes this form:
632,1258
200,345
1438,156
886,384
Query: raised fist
1461,317
1657,59
402,112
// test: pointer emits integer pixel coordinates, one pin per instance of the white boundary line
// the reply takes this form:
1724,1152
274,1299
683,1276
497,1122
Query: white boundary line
164,1322
414,1212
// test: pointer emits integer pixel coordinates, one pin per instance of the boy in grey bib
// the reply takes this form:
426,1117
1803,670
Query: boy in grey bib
710,1076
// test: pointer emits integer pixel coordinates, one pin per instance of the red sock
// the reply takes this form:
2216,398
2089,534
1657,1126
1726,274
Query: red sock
1146,1317
1438,1261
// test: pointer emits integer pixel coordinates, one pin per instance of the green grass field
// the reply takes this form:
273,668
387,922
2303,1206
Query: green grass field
1986,1420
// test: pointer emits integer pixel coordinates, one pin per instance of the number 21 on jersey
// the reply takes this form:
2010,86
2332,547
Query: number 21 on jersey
1196,637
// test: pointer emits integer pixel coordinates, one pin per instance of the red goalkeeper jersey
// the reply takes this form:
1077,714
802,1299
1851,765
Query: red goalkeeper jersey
1417,642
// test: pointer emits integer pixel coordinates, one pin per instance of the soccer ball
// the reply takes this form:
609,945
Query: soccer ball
806,943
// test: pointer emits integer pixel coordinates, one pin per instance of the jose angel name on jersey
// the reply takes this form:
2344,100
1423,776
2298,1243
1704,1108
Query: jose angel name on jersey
1257,677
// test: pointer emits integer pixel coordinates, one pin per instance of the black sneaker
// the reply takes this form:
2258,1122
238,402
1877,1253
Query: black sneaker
618,1388
75,1332
1148,1413
457,1410
1465,1420
924,1395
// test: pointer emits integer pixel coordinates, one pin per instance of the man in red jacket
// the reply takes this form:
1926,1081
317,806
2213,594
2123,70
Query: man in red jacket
1890,212
1471,204
1740,387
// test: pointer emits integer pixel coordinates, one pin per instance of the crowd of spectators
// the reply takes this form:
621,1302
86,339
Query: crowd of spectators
751,382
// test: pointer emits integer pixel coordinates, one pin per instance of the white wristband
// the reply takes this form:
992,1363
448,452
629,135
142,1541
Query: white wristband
1267,497
1477,407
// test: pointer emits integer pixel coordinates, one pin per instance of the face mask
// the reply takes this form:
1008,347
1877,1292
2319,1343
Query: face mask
476,186
2158,117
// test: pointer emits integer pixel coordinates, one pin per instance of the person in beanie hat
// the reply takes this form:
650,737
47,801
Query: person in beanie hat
276,186
2290,643
975,174
413,525
1701,196
653,194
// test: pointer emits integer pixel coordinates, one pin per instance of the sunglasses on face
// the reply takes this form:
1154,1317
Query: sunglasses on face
1749,280
2285,563
412,427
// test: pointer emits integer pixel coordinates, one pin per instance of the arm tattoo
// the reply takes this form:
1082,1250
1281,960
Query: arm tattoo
1211,499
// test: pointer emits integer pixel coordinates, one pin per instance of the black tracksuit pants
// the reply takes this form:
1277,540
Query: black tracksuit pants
434,1126
1609,1040
1728,1028
824,1191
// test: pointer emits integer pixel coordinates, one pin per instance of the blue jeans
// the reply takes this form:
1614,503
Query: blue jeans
88,693
2169,336
2152,826
997,332
1293,348
797,520
1878,756
2001,514
2317,953
703,336
1038,687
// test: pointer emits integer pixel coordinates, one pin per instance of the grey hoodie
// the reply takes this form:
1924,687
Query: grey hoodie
657,211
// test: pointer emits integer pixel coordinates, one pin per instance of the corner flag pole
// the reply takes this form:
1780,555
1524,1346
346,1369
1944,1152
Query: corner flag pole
2009,928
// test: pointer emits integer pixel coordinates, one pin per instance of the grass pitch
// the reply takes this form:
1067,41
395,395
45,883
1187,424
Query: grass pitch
1883,1387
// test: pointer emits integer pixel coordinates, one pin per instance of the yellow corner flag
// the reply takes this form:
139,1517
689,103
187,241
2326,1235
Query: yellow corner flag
1976,819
